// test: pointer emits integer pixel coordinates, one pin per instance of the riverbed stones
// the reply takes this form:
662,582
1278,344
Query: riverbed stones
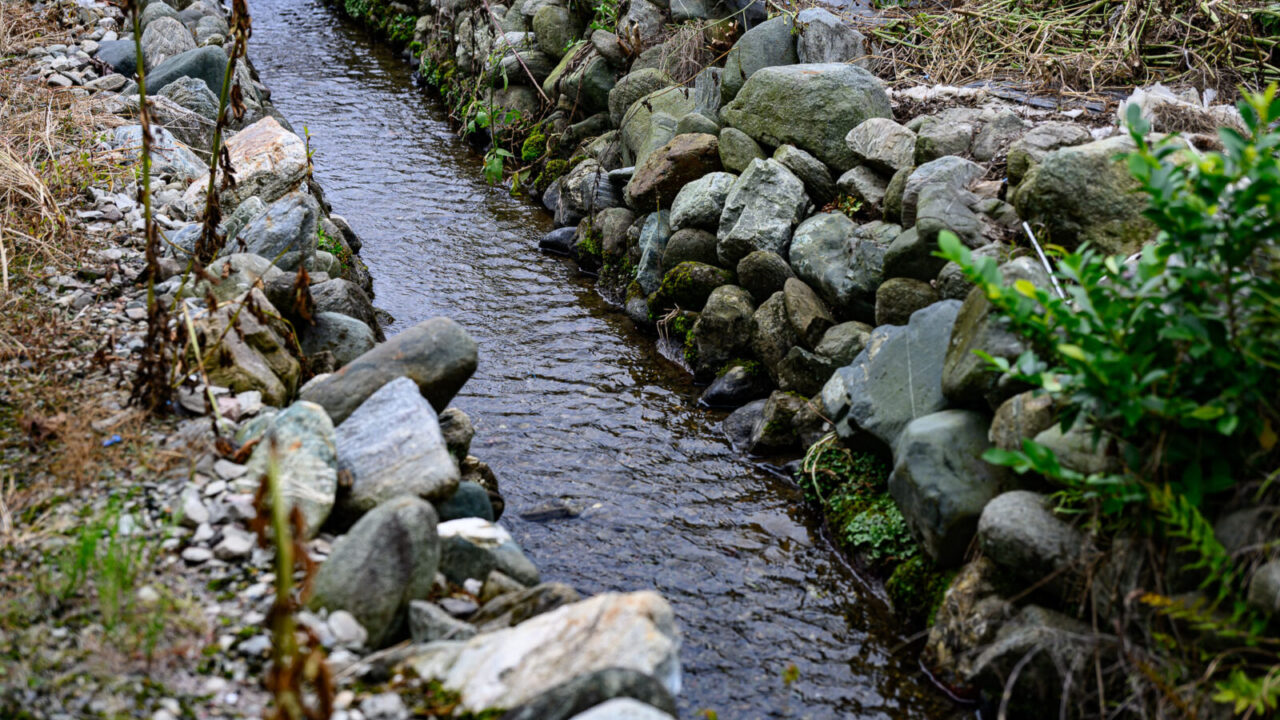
882,145
342,336
255,356
168,156
474,547
763,273
609,694
269,161
770,43
1021,533
1085,194
815,176
343,296
737,149
384,562
1031,148
164,38
967,378
667,170
940,482
437,354
821,37
810,106
286,231
723,329
766,202
194,95
896,379
391,445
897,299
306,460
506,668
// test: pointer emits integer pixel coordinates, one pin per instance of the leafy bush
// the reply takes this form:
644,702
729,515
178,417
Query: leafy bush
1175,353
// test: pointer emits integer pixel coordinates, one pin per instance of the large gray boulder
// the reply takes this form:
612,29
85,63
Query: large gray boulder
600,693
770,43
953,173
584,191
437,354
967,378
343,296
168,156
1085,194
306,461
392,445
767,201
555,28
810,106
700,203
386,561
342,336
824,38
940,482
286,232
896,379
164,38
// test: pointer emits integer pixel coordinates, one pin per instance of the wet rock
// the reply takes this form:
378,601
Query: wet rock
346,338
601,692
437,354
967,379
391,445
824,38
815,176
699,203
287,230
688,285
669,168
654,235
739,385
806,312
723,329
766,202
345,297
772,334
1038,142
899,298
768,44
741,423
940,482
429,622
1021,533
387,560
1019,418
559,241
1084,194
690,245
307,460
269,161
897,378
763,273
774,432
194,95
507,668
510,610
810,106
164,38
737,150
882,145
585,191
473,547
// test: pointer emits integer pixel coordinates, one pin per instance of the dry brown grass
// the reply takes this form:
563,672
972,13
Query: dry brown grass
1082,45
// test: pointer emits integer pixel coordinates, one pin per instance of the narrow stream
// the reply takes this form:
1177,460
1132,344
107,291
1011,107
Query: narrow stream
571,404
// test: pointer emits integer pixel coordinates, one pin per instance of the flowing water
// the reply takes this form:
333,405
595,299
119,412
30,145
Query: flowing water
571,404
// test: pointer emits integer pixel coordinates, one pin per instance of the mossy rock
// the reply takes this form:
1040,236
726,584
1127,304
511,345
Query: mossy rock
917,588
688,285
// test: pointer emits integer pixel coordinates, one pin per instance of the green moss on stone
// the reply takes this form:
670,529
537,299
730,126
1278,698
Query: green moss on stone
917,588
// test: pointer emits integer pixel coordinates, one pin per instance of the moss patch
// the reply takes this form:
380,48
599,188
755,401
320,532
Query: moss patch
916,589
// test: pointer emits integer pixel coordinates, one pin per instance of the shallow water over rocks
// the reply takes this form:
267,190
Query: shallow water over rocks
575,409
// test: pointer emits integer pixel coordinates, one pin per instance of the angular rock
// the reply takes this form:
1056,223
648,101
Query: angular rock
306,461
882,144
437,354
1038,142
654,235
940,482
668,169
821,252
737,150
603,693
864,185
387,560
952,172
804,372
842,343
269,161
767,201
650,122
739,385
824,38
429,622
896,379
507,668
815,176
164,38
997,134
287,231
512,609
806,312
723,329
392,445
168,156
699,203
473,547
470,500
949,133
255,356
584,191
555,28
207,63
770,43
810,106
773,431
345,297
741,423
772,334
194,95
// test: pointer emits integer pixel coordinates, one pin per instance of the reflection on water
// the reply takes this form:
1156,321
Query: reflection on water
571,405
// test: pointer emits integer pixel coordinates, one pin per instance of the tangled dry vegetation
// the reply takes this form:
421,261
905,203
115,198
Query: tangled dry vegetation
1085,46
